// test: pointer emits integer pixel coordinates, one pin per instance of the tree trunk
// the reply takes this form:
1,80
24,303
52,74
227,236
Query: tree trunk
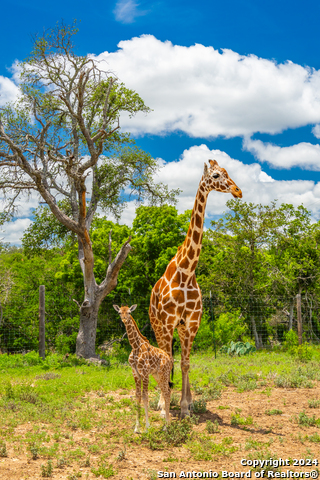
255,333
86,339
94,295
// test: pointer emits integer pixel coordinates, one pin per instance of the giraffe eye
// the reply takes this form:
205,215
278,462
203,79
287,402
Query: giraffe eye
216,175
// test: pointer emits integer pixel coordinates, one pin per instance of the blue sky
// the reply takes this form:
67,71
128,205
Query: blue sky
238,81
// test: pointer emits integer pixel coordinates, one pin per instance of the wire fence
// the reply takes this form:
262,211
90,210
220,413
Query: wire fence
262,321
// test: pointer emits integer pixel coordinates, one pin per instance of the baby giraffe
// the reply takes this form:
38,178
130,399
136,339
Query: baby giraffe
146,360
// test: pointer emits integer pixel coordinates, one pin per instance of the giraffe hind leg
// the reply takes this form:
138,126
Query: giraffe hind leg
161,403
186,397
164,382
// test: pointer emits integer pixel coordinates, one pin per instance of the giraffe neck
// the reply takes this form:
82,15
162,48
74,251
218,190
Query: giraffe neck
189,252
135,337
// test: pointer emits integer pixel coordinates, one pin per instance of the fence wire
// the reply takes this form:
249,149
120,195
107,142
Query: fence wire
262,321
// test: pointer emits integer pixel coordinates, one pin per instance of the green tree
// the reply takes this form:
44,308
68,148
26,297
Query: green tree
236,259
64,130
157,232
296,251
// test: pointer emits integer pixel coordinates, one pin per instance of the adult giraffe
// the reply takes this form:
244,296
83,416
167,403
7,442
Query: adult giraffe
176,300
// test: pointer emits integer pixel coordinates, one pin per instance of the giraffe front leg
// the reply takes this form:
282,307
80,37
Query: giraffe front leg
189,395
145,398
186,397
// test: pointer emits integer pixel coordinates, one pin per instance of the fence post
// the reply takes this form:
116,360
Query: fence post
299,319
42,338
212,319
291,314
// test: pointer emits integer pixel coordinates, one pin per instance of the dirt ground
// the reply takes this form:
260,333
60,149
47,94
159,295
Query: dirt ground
278,435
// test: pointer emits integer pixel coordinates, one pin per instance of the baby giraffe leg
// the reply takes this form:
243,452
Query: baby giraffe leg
166,393
145,398
161,404
137,380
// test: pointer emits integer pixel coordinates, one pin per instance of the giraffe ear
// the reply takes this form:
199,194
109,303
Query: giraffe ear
117,309
213,163
133,308
205,170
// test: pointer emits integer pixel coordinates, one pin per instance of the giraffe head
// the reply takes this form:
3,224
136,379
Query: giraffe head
125,312
217,178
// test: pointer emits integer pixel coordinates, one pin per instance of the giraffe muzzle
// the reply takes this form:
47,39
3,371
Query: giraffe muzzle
236,192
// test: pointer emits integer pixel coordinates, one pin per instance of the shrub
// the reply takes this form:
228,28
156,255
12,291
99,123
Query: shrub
3,449
199,406
176,434
229,328
238,349
291,341
204,339
304,352
212,427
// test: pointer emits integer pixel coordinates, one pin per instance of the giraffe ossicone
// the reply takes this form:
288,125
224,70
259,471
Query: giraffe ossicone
176,300
145,360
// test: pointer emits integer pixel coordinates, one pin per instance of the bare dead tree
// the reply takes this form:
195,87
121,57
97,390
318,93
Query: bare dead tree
56,138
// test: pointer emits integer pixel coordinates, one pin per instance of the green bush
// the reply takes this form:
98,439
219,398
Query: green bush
229,327
291,341
204,338
304,352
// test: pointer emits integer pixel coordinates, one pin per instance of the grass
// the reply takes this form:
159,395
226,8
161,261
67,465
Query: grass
306,421
47,406
205,448
274,411
237,420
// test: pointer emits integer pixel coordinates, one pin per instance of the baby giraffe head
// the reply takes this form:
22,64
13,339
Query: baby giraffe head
125,312
217,178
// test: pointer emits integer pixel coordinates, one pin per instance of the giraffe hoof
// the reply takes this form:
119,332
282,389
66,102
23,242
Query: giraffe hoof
185,414
137,430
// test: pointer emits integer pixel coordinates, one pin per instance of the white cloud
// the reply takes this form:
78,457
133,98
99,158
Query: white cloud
126,11
256,185
8,90
316,131
303,155
12,232
205,92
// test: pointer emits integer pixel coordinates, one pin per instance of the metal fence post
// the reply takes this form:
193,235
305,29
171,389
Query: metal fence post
42,338
299,319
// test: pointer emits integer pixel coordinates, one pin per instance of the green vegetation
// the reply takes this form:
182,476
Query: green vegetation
306,421
274,411
253,301
73,423
238,348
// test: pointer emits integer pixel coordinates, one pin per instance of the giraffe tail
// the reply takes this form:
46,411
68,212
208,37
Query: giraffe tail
172,369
